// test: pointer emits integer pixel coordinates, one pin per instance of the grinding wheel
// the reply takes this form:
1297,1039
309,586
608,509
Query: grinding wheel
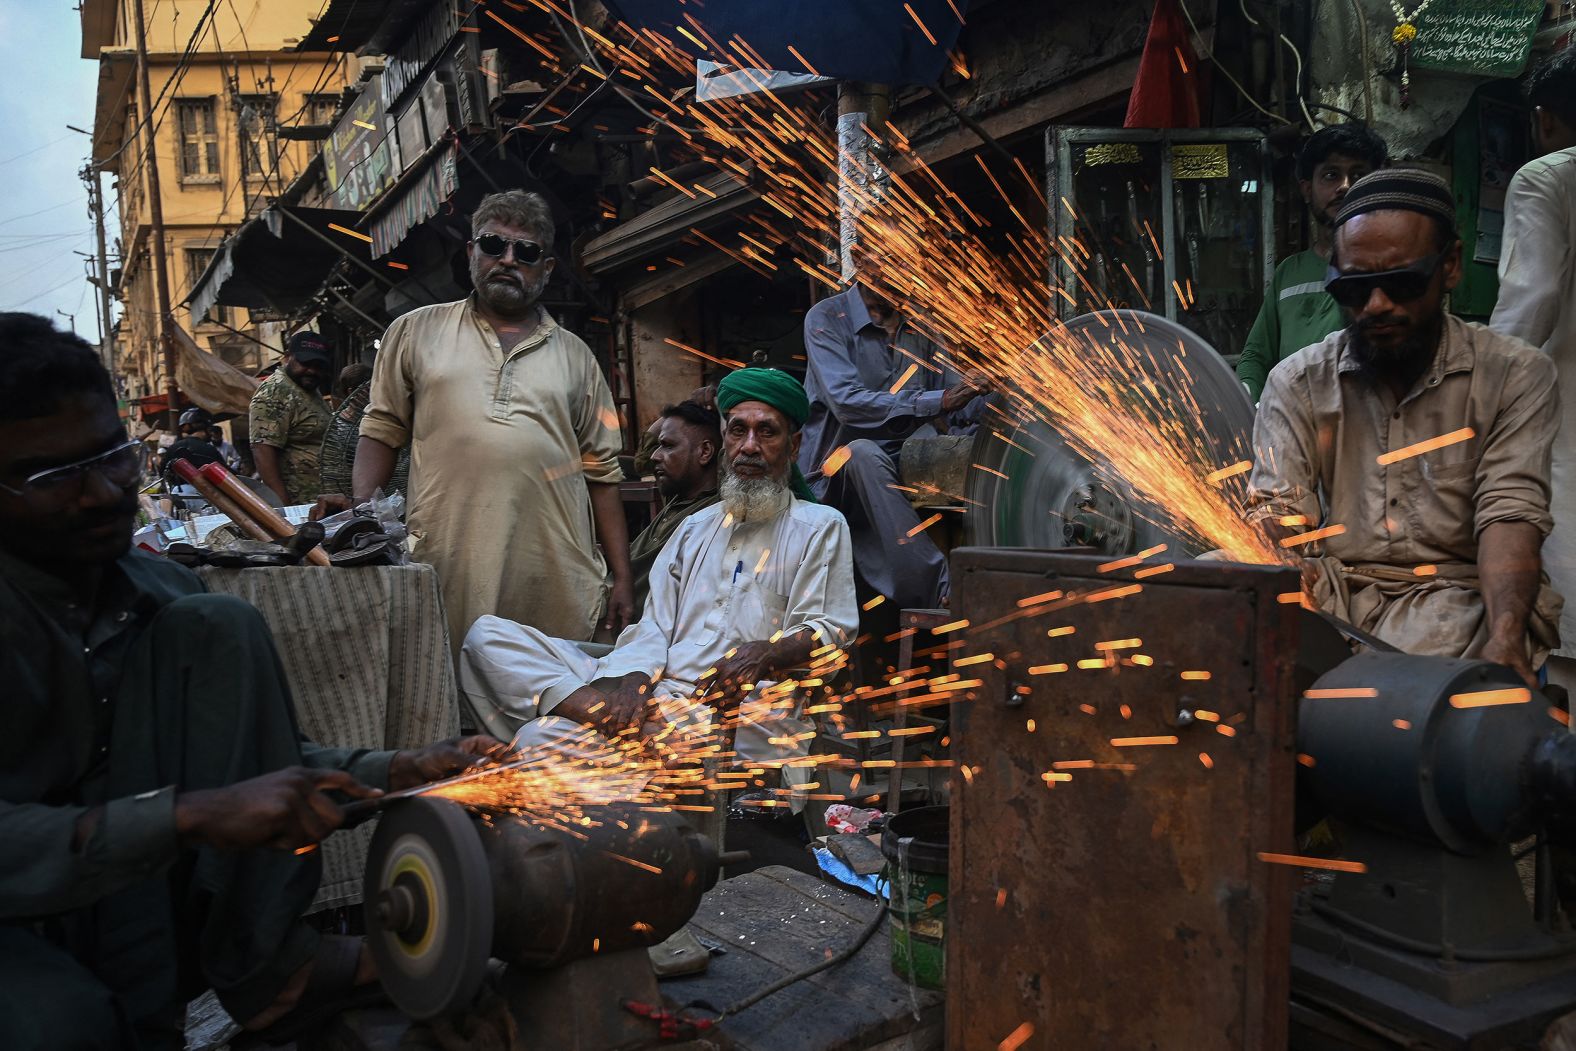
429,906
1039,492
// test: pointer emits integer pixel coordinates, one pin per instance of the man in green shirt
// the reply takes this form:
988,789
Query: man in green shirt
1297,311
684,459
157,803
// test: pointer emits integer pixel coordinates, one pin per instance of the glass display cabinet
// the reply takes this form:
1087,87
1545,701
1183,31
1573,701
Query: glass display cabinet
1172,221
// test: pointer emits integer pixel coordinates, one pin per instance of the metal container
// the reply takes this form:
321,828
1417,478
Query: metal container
915,844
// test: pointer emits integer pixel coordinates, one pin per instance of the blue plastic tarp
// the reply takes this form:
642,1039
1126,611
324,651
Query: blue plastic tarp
838,869
871,40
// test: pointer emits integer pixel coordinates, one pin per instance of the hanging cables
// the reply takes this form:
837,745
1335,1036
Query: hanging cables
1209,54
1242,5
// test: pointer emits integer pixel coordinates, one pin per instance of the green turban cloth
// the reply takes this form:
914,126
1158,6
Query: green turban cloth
773,386
782,392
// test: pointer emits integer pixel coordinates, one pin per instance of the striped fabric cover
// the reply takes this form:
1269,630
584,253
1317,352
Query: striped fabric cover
366,652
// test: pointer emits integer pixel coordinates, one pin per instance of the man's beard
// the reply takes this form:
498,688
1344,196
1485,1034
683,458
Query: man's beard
1405,361
508,298
306,380
753,499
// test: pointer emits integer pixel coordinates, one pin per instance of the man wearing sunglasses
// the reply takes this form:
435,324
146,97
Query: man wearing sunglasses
155,794
1537,302
514,442
1415,443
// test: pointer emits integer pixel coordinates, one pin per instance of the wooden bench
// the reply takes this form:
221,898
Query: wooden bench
774,922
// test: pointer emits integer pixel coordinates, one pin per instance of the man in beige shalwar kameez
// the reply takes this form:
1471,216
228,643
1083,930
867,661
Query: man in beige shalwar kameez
514,442
1406,457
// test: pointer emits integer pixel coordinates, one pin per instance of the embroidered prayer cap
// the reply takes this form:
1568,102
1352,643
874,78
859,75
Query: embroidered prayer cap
1401,189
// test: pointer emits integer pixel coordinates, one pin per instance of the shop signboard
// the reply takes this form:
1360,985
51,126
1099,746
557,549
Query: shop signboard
412,135
435,107
470,97
1484,38
358,160
404,64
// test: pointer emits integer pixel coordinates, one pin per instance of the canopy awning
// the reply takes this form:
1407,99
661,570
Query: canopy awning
154,409
887,43
422,192
350,25
275,264
209,380
629,243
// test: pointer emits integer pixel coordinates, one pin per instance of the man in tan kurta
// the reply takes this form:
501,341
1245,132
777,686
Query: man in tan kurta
514,442
1417,446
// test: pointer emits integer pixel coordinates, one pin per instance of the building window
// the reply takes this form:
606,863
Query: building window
197,260
319,112
199,130
320,109
259,136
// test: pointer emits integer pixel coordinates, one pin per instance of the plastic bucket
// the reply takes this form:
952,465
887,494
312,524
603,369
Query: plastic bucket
915,847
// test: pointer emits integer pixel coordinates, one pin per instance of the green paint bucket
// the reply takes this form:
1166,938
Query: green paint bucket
915,846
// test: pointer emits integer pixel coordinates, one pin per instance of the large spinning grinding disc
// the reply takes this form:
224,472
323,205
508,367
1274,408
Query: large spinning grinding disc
429,906
1038,492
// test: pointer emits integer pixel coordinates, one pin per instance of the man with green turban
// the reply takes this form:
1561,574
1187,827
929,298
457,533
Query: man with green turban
782,392
742,592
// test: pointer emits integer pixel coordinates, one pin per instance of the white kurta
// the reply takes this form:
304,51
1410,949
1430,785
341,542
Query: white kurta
1537,303
715,585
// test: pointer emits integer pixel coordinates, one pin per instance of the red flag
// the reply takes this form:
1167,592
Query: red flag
1165,93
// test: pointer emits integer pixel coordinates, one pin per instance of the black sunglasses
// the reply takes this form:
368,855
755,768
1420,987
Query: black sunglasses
526,253
1400,286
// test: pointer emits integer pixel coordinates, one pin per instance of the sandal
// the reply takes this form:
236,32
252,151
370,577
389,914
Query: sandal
345,533
330,990
366,549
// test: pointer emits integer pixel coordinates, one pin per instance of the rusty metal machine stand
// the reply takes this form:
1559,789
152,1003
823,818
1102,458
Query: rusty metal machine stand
1123,851
1122,776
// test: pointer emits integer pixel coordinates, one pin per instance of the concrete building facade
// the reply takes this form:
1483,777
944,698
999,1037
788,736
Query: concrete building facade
235,115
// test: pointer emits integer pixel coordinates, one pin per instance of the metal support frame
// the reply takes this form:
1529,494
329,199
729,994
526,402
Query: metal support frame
920,620
1058,155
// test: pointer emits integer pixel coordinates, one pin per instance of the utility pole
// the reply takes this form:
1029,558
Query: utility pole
90,266
90,175
862,178
161,273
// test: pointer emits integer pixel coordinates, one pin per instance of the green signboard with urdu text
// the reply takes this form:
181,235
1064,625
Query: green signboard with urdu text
1484,38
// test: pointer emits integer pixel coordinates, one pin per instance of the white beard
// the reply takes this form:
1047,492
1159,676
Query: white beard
753,499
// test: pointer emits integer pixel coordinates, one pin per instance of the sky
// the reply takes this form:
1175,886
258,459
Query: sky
45,85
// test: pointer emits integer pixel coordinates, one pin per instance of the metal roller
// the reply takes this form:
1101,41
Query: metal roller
1395,748
446,891
1052,497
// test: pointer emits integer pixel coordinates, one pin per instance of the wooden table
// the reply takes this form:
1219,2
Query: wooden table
776,921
